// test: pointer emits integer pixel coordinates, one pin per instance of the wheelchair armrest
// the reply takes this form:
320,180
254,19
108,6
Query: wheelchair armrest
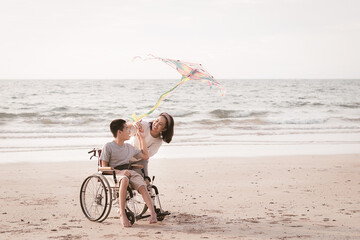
107,169
136,166
102,169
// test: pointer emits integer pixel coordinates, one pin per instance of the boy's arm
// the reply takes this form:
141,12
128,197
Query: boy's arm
123,172
105,156
144,150
133,127
104,163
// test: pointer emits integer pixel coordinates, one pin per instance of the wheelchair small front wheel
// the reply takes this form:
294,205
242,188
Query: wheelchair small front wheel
95,198
135,204
130,216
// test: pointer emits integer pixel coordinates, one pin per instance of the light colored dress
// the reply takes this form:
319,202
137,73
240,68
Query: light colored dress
152,144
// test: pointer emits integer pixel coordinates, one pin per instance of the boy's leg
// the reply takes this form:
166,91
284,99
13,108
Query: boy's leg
145,195
137,182
145,164
124,183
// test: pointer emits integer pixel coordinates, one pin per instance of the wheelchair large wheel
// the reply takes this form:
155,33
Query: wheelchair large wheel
135,204
109,197
95,198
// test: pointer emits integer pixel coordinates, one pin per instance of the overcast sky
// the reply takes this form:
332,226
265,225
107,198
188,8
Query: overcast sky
242,39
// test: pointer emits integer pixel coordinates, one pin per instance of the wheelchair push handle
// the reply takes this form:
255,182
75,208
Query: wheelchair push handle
94,151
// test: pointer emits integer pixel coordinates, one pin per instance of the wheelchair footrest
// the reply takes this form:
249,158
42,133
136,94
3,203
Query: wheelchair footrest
165,213
142,217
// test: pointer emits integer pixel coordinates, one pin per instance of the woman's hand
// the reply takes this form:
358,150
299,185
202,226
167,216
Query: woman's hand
138,124
141,133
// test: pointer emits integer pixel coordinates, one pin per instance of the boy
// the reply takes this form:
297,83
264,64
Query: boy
117,153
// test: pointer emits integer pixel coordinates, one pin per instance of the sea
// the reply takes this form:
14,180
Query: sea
55,115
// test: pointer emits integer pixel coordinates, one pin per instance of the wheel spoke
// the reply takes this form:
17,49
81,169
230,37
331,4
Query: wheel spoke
94,198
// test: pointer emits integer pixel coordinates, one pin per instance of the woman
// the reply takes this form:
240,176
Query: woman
156,132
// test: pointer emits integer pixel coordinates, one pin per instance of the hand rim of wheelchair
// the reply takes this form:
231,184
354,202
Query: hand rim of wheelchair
90,203
140,205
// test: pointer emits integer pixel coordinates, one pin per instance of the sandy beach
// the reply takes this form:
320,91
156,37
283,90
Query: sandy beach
256,104
287,197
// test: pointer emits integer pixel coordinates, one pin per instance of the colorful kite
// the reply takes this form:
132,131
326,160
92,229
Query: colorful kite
189,71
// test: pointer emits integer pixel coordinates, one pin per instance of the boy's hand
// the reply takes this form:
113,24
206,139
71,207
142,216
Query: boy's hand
123,172
126,173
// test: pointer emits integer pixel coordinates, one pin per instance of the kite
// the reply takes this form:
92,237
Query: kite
188,71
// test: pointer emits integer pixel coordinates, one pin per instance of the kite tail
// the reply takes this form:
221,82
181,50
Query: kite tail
136,118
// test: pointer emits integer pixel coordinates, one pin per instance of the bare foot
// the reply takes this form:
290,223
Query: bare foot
153,219
125,221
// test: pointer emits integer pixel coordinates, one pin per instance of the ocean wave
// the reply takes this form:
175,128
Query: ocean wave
298,104
297,121
349,119
255,121
70,119
350,105
17,115
221,113
182,114
209,122
7,115
118,85
231,123
59,109
240,123
318,104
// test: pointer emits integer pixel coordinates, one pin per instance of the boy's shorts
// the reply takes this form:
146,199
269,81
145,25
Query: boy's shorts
136,180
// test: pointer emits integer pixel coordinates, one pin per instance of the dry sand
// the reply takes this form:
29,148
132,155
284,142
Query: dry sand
294,197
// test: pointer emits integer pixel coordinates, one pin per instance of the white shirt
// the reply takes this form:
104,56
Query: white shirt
153,144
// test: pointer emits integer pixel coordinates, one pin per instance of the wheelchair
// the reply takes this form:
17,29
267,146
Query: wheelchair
99,193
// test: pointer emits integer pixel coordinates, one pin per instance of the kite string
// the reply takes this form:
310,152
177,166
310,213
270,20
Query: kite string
136,118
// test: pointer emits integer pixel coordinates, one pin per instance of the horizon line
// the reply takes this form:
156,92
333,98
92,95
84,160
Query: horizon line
96,79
